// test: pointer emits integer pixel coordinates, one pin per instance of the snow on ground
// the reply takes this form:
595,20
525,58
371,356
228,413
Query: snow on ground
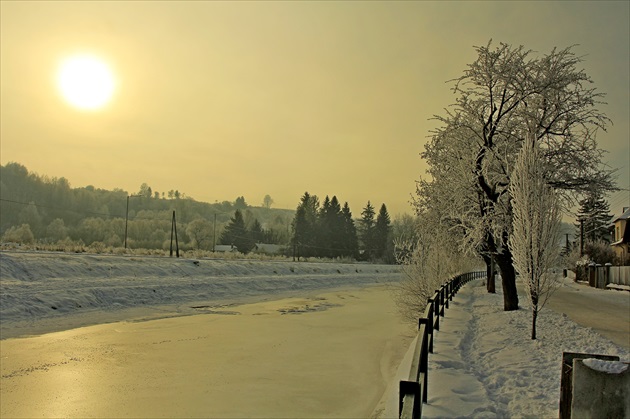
63,290
485,364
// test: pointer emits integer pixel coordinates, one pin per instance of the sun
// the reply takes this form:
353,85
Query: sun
85,82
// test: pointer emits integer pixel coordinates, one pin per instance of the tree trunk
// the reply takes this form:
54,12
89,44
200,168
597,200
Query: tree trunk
490,286
508,280
534,316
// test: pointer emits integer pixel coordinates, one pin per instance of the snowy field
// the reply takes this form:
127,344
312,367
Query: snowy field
486,366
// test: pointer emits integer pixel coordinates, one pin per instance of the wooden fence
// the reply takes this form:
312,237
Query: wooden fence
600,276
413,392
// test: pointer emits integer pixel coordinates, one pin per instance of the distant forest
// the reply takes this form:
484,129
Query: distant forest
54,211
36,209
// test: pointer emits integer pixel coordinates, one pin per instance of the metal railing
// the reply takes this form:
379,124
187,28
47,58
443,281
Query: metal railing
413,391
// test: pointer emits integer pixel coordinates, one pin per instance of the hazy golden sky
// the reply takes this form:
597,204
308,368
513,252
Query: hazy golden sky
220,100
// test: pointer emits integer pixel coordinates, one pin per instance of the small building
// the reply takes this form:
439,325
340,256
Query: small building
268,249
621,236
225,248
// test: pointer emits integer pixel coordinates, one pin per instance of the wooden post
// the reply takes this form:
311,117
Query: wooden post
411,388
172,227
430,324
175,229
424,358
436,309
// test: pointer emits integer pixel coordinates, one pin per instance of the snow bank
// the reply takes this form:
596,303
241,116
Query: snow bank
610,367
485,365
38,286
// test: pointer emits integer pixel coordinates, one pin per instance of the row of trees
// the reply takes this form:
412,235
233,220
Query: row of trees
244,236
37,209
330,231
508,95
517,147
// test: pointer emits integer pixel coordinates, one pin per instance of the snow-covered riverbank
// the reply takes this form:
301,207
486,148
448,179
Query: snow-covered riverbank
53,291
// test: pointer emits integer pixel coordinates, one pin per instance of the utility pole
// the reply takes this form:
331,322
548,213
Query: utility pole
214,233
174,230
127,216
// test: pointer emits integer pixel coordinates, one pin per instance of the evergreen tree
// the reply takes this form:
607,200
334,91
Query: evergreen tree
305,226
350,239
335,223
381,233
595,212
324,230
367,231
331,229
236,234
240,203
256,231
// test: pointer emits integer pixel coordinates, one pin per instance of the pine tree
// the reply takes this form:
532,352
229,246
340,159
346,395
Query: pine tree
381,233
237,234
305,226
324,230
256,232
595,212
350,241
367,231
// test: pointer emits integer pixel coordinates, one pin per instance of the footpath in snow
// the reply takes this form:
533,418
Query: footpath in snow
485,365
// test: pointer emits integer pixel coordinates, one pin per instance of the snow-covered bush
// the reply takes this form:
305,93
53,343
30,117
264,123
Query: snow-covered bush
426,263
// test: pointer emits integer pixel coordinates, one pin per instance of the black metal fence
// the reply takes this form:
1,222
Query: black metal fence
413,392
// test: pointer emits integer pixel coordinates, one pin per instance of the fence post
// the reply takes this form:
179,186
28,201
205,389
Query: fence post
608,272
430,323
405,388
436,309
424,358
447,290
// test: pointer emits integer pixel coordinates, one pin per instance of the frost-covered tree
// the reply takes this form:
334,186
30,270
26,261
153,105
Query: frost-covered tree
56,230
427,260
201,233
502,95
536,227
21,234
595,215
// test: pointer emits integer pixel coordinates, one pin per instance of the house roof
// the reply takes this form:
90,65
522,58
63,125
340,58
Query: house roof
623,216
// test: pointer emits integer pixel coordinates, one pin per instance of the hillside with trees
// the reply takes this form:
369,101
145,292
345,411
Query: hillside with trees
38,210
